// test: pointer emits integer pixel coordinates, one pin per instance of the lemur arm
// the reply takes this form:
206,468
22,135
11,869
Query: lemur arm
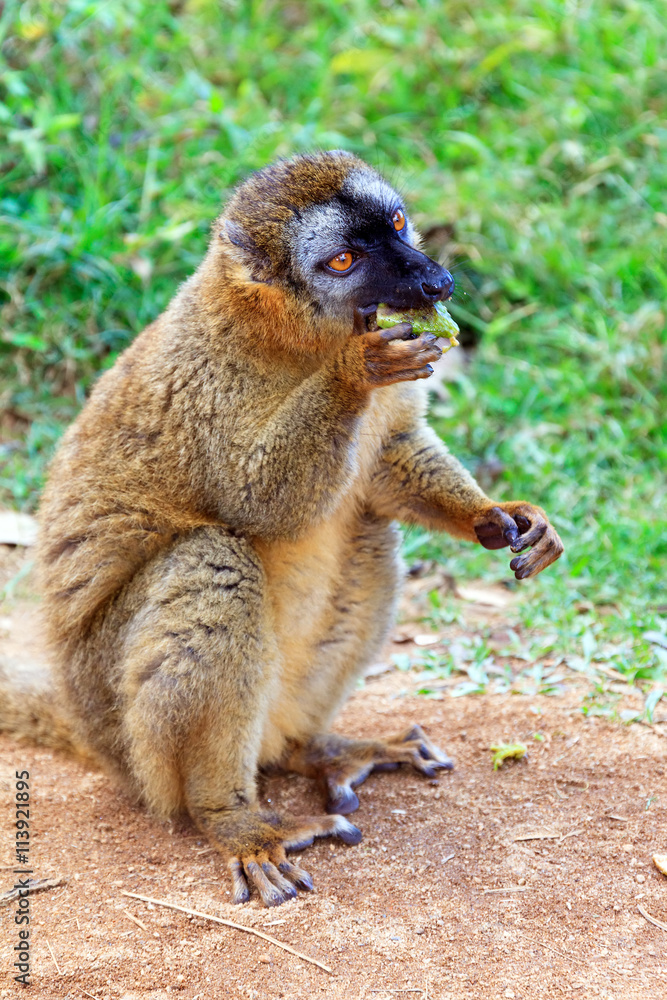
292,461
418,481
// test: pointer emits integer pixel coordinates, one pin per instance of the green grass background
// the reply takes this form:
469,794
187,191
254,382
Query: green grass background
534,134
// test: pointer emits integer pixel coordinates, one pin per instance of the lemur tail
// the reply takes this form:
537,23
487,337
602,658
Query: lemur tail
29,707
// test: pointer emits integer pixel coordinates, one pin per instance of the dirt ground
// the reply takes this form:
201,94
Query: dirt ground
519,883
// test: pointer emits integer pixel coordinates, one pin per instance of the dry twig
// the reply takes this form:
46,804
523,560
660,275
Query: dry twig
135,920
229,923
509,888
538,835
34,885
651,920
53,956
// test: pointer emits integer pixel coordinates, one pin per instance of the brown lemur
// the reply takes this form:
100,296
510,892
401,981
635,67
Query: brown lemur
218,551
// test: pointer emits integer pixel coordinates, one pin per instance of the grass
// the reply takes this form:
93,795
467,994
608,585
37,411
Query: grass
532,135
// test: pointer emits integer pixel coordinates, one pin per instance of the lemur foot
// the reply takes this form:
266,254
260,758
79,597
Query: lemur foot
341,764
256,843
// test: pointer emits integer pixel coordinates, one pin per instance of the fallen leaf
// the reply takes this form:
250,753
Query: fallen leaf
660,862
494,595
426,640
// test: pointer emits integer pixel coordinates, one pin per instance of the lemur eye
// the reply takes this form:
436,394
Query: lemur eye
398,219
342,261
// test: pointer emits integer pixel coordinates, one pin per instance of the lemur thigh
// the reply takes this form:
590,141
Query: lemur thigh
363,613
198,670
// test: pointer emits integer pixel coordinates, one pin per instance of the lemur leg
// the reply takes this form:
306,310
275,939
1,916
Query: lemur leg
340,764
363,614
199,670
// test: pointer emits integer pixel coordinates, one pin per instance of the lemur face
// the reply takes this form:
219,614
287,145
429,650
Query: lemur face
330,229
357,250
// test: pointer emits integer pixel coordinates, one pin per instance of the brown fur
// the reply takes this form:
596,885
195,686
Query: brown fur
218,554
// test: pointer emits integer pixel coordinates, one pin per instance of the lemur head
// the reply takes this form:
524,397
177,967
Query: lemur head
331,230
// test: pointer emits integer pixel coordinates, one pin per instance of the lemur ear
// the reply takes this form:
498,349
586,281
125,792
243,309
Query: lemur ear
237,235
257,262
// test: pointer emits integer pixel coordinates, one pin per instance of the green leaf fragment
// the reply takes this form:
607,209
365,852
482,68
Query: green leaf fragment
502,751
436,320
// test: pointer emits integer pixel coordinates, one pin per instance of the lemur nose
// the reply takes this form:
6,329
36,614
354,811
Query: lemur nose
441,288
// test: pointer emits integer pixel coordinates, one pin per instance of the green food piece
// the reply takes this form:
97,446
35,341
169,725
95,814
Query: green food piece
502,751
436,320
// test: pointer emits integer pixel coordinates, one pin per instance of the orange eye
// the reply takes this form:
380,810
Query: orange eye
342,261
398,219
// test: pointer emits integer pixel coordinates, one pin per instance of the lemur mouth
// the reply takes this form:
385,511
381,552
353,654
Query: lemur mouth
370,316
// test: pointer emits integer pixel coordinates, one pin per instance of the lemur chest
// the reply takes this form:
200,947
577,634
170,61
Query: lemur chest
305,574
330,595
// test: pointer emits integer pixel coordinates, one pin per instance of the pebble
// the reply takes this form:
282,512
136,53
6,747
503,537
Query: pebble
640,878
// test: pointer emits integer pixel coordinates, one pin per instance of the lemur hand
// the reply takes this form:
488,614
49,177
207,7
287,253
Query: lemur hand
520,525
381,357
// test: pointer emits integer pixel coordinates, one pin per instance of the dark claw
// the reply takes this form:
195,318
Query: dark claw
443,765
523,523
386,767
424,751
300,877
351,836
241,894
346,801
511,535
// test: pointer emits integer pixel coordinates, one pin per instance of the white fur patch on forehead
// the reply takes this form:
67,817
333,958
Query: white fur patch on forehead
373,191
370,188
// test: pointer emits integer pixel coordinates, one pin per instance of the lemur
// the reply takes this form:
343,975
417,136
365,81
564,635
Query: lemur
218,551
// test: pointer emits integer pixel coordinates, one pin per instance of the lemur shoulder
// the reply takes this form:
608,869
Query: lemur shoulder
219,550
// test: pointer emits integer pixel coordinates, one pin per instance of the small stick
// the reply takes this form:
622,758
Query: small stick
651,920
572,833
53,956
229,923
448,858
550,947
509,888
537,836
561,795
619,819
87,993
135,920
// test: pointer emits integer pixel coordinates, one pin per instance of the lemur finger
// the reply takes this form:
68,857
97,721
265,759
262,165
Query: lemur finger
287,888
398,332
270,893
299,876
545,553
531,536
240,890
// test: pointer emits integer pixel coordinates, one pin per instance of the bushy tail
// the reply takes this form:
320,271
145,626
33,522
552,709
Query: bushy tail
29,707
